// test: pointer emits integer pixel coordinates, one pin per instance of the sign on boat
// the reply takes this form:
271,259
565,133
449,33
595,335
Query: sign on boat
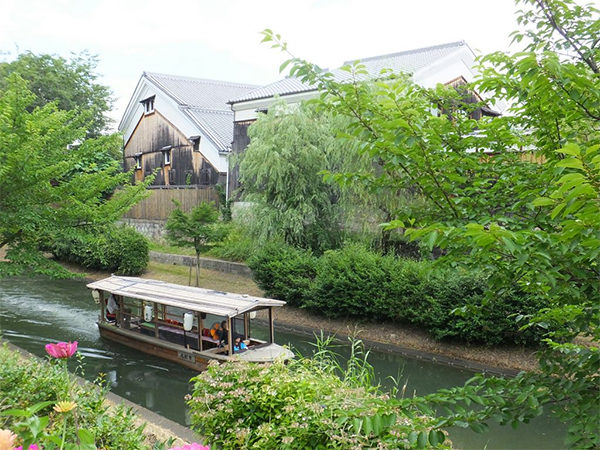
172,321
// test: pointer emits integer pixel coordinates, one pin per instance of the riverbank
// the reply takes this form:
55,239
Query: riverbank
395,338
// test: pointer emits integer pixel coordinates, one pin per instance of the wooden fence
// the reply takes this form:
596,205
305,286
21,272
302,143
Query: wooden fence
159,204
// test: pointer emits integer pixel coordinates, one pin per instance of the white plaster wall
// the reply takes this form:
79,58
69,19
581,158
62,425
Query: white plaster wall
249,110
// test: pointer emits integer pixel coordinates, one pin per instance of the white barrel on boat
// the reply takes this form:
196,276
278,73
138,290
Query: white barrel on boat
188,321
148,313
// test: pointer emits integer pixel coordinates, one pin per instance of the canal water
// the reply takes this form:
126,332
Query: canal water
36,311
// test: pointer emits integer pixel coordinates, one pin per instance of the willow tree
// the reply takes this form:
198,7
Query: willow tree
282,175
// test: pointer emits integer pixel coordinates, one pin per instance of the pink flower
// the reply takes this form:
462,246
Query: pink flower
192,446
62,349
31,447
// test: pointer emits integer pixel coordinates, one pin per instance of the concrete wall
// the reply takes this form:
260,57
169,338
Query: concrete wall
152,229
205,263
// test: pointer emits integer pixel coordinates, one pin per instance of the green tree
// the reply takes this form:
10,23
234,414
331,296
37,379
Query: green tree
42,199
198,229
517,195
72,84
281,174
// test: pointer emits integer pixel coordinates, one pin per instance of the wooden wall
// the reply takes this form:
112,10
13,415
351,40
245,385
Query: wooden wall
188,167
159,204
240,142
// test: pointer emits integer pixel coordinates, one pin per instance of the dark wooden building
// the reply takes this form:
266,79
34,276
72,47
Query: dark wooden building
179,129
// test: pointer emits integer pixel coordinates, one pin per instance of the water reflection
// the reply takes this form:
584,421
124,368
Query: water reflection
35,312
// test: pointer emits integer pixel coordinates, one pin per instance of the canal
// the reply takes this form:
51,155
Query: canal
36,311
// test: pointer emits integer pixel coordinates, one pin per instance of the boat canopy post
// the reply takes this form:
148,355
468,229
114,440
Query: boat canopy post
246,331
229,336
120,307
102,306
155,320
200,329
271,326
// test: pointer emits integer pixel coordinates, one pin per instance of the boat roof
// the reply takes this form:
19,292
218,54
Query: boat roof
186,297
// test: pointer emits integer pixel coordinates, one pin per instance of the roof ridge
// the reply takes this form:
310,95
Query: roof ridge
408,52
210,110
205,80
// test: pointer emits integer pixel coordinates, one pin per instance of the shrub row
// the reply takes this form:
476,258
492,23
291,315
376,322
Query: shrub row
120,250
355,282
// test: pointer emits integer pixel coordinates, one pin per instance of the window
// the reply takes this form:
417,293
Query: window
195,143
138,162
167,157
148,104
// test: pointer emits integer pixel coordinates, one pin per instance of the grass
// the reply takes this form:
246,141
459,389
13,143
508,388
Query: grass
166,248
209,279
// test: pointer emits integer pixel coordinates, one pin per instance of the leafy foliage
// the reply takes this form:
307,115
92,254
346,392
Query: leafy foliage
284,272
29,388
120,250
69,84
355,282
237,246
307,403
517,196
198,229
42,196
280,174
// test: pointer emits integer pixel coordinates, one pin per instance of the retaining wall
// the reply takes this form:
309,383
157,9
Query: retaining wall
152,229
205,263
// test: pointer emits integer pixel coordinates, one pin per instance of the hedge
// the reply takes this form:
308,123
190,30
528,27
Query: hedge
120,250
358,283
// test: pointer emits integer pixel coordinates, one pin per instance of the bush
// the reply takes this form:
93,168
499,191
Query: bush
356,282
284,272
349,282
27,382
237,246
479,319
120,250
125,251
301,405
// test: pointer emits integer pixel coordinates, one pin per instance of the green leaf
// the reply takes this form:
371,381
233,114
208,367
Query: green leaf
434,437
377,425
357,424
284,65
571,163
570,149
412,437
422,439
368,425
542,201
86,437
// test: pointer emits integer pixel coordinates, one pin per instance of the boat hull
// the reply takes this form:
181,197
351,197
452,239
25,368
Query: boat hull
155,347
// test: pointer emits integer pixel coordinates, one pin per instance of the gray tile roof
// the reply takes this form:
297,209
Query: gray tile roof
407,62
204,102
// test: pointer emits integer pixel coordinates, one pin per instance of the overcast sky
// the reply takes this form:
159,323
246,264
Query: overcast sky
221,39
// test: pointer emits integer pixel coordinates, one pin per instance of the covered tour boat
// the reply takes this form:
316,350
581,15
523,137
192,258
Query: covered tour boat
174,322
